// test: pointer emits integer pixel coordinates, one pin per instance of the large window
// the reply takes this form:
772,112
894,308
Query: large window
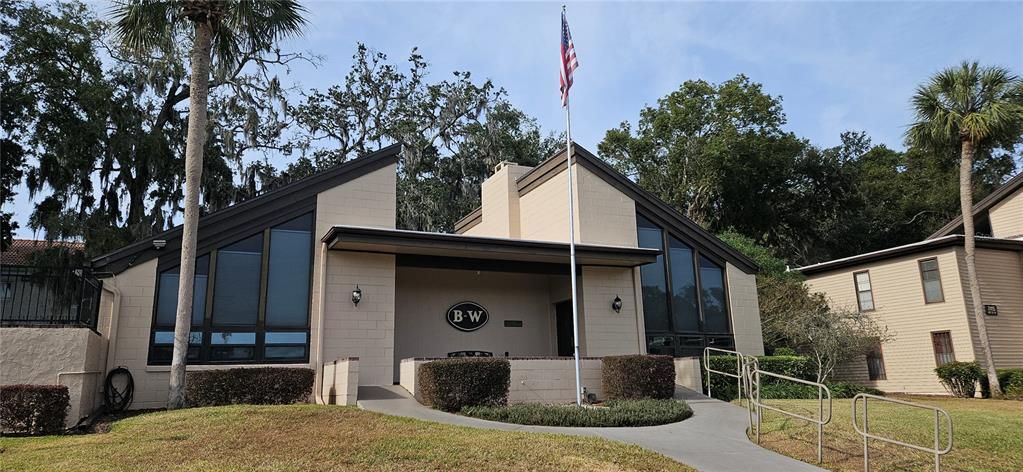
259,290
931,280
685,304
864,293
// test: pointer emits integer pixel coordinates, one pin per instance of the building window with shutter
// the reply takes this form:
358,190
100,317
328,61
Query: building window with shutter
931,280
943,352
864,294
875,364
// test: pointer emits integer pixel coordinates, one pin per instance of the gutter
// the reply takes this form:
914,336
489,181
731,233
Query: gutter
321,306
115,310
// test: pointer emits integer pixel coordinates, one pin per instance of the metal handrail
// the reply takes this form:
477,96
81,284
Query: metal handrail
820,421
738,368
865,432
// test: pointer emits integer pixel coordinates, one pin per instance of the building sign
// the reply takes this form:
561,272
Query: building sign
467,316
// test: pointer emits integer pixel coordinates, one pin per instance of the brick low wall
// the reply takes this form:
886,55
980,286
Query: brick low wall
552,379
341,381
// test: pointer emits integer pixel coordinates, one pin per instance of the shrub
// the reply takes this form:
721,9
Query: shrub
960,378
785,351
636,377
615,413
33,409
1011,381
724,388
452,384
255,386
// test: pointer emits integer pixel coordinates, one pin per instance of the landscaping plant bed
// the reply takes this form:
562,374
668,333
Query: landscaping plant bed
613,413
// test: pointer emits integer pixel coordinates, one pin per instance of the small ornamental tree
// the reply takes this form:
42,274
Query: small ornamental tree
831,337
960,378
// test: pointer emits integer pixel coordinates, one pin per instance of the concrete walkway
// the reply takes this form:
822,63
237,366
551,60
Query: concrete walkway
713,439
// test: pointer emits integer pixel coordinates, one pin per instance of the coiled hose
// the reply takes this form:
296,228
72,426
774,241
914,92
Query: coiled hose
115,400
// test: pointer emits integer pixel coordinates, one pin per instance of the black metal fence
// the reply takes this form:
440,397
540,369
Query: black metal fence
40,296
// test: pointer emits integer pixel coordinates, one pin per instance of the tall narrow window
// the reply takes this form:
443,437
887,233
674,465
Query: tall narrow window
712,296
287,297
864,294
943,352
167,307
931,280
655,285
875,364
685,311
236,289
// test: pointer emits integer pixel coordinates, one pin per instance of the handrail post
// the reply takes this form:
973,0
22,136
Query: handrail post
820,425
866,429
937,457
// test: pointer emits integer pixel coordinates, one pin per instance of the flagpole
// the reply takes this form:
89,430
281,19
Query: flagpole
571,252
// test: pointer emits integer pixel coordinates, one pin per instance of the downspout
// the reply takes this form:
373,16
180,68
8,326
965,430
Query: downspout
115,310
321,306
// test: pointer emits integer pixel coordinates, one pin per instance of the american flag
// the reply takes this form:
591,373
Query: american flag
569,63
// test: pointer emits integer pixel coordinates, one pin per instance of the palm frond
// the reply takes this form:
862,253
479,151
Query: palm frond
143,25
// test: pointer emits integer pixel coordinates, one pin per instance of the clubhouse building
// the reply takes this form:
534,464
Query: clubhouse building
315,274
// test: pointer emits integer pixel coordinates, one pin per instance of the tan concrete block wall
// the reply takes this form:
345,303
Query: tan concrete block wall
605,332
544,210
1007,217
341,382
365,331
898,297
410,374
424,296
687,373
606,215
55,356
744,309
552,380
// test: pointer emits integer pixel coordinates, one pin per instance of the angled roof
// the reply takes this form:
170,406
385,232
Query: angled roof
276,206
652,206
985,204
908,249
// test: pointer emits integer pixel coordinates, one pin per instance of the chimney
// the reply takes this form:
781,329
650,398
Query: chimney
500,196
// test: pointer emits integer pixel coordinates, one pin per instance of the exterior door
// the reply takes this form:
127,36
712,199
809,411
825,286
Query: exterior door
566,346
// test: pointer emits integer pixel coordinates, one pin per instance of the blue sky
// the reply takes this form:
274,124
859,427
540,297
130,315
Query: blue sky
838,65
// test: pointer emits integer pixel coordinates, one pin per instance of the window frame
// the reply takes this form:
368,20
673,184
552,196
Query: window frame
856,289
934,346
923,282
260,329
883,374
707,337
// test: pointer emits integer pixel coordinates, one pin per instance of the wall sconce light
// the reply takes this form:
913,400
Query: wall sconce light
356,295
616,305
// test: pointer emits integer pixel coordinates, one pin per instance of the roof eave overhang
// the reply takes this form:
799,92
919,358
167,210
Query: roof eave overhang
955,240
401,242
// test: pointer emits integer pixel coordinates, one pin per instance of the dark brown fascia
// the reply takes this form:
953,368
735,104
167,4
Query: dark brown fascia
234,222
983,205
498,246
467,222
654,207
909,249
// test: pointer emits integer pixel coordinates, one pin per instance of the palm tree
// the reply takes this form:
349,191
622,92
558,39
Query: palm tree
226,31
971,107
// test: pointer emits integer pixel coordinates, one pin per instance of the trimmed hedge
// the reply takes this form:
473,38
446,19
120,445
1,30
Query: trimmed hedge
724,388
33,409
453,384
614,413
1011,381
254,386
960,378
637,376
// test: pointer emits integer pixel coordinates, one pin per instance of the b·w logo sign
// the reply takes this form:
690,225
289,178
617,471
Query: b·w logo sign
467,316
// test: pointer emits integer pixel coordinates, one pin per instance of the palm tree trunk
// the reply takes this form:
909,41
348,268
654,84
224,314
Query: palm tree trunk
970,247
197,104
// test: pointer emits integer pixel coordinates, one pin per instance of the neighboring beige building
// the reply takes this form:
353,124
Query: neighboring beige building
315,274
920,292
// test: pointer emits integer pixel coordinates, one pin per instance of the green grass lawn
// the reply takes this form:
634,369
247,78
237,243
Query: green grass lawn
988,435
315,437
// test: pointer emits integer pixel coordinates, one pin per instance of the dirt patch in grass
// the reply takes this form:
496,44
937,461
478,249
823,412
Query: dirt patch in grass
315,437
988,435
